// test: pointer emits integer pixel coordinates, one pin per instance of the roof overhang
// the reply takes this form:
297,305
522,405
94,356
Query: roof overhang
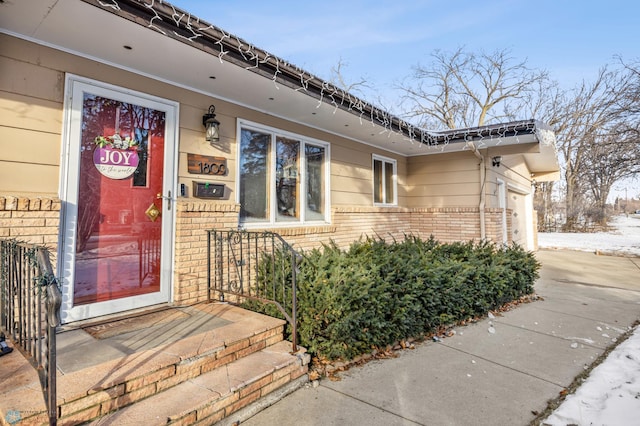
532,139
158,40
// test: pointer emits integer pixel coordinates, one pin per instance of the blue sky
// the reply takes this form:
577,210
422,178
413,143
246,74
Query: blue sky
381,41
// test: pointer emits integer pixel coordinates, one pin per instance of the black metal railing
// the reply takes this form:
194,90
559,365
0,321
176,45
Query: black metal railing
256,266
148,253
30,310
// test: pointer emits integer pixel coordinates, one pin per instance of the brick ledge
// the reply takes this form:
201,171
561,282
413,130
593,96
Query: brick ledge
16,203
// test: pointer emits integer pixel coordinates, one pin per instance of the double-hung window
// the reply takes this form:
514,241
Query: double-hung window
384,181
283,178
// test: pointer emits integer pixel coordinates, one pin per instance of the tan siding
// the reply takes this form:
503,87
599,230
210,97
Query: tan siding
435,163
30,123
30,80
443,180
351,175
352,156
517,172
403,190
25,112
17,178
345,198
26,146
445,189
340,169
513,171
444,201
452,176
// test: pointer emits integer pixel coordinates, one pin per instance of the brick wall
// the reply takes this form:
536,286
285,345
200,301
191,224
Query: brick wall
32,220
193,219
445,224
350,224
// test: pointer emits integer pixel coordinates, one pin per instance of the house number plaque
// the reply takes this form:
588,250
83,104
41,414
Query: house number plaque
206,165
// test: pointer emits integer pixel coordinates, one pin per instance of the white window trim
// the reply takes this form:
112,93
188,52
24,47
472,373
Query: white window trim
375,157
274,132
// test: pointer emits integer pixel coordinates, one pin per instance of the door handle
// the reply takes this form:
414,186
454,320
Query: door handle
159,196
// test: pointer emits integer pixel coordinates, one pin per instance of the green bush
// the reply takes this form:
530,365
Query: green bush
376,293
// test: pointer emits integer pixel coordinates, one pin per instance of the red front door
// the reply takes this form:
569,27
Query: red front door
119,229
117,179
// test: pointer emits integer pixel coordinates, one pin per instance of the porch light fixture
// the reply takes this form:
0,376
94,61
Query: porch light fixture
495,161
212,125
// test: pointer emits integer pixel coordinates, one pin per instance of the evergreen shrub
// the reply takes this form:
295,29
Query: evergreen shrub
376,293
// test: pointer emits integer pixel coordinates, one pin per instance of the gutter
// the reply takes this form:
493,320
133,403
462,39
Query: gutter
483,176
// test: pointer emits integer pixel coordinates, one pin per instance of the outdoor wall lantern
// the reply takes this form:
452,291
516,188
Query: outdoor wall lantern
495,161
212,125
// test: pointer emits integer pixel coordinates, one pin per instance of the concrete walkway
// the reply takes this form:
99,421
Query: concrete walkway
479,377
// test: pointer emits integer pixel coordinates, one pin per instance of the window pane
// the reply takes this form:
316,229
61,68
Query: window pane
287,179
314,156
254,176
140,175
388,183
377,181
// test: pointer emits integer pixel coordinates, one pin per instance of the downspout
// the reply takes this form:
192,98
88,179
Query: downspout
483,173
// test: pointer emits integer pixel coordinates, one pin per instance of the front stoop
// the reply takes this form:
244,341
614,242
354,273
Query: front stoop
210,397
197,380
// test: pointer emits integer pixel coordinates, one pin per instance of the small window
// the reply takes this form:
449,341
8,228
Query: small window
283,177
384,181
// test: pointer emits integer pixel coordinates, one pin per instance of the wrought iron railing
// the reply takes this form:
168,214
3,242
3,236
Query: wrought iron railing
257,266
148,253
30,310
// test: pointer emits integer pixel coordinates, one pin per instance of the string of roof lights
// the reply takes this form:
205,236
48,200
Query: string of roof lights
174,22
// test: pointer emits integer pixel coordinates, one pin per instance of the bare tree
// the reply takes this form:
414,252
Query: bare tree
594,122
465,89
615,157
339,80
633,94
545,206
591,125
361,87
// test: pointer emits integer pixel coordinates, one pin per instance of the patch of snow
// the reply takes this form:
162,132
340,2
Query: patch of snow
623,239
611,393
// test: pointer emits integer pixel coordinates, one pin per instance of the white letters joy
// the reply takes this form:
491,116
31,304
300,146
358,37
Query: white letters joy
116,157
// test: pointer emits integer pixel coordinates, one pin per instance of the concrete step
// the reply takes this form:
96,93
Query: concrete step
218,394
127,372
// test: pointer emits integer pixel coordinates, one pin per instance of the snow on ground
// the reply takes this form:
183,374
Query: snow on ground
611,394
624,239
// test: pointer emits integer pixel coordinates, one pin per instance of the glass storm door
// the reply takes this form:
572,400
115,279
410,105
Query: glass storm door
118,208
